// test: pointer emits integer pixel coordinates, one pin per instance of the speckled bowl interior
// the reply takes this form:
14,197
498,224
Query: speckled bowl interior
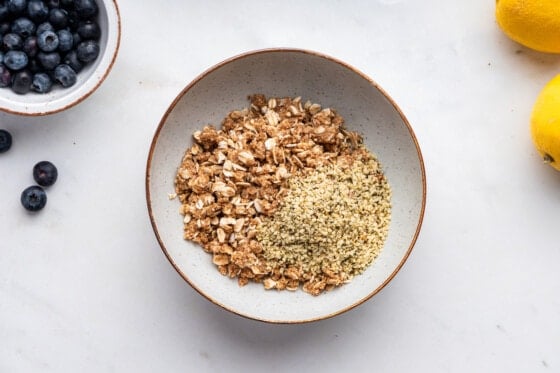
88,80
329,82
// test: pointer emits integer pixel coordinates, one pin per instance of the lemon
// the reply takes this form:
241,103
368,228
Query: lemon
545,123
533,23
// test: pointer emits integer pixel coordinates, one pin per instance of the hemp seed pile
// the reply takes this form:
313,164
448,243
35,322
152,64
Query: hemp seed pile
285,196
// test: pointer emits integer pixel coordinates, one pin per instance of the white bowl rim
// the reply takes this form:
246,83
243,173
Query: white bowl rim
281,50
89,86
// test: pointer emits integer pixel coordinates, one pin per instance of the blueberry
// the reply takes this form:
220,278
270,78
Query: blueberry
30,46
45,173
34,66
4,11
87,50
89,30
41,83
5,141
24,27
71,59
37,10
12,41
53,3
65,75
86,8
15,60
21,84
48,60
47,41
68,4
45,26
5,27
58,18
76,39
73,20
34,198
5,76
17,6
65,40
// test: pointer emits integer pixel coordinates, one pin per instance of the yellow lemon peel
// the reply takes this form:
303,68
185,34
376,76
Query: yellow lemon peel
545,123
532,23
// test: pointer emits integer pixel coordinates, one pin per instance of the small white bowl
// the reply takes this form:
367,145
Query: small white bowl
88,80
318,78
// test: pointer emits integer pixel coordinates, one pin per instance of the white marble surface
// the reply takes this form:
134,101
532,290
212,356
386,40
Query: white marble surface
85,287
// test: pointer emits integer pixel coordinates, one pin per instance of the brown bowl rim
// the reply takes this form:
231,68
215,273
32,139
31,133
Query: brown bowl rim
282,50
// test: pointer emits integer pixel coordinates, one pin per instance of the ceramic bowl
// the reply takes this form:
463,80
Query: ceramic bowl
318,78
89,79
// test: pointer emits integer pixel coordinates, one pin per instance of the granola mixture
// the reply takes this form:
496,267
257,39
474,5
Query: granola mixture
284,195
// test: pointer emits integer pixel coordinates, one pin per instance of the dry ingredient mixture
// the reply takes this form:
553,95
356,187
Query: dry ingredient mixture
284,195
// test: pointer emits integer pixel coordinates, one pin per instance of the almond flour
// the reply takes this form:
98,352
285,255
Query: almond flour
282,194
332,223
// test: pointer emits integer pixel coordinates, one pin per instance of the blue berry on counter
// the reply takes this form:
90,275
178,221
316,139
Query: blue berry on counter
5,141
37,10
65,40
48,60
41,83
47,41
45,173
12,41
21,83
15,60
24,27
86,8
87,50
33,198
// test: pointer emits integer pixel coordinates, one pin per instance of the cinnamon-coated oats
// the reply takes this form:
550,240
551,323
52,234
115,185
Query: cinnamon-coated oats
284,195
